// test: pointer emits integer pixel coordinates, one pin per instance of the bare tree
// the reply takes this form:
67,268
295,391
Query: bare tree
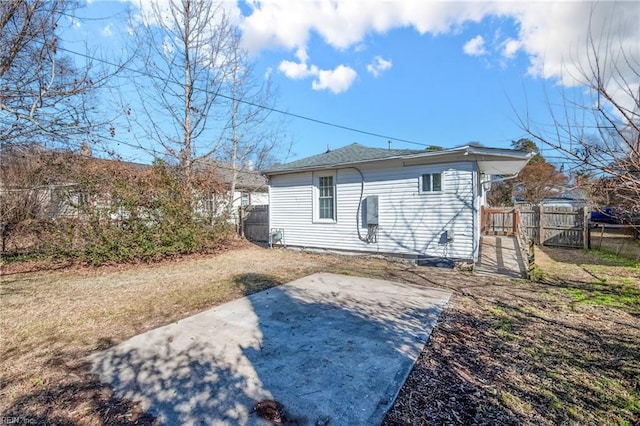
250,140
600,133
199,102
184,50
42,92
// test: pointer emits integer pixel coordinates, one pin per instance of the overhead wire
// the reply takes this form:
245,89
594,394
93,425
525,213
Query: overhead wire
253,104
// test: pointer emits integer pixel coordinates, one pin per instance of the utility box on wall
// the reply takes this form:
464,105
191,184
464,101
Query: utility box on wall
372,210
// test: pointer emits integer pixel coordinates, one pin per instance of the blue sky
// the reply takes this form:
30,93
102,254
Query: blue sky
441,73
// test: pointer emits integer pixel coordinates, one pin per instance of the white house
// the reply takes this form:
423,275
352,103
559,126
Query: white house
403,202
250,189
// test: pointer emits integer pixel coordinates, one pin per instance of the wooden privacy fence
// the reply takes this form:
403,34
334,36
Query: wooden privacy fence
254,223
548,226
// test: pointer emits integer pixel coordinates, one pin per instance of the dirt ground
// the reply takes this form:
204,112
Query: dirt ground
563,350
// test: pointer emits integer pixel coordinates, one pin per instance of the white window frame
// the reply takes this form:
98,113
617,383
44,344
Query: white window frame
430,190
316,197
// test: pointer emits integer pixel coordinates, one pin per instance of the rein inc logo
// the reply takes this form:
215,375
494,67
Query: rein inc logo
17,420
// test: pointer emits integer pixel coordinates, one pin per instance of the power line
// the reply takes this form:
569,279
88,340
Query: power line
76,17
231,98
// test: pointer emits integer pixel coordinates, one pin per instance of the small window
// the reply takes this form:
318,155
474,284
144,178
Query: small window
431,182
326,198
246,200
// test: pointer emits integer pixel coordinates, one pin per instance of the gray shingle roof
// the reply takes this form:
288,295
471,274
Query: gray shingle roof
353,153
246,179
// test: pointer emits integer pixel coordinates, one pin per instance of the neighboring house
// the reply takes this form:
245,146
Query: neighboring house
565,197
251,188
404,202
62,198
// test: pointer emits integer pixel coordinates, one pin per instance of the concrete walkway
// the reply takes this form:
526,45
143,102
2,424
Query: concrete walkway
331,349
499,255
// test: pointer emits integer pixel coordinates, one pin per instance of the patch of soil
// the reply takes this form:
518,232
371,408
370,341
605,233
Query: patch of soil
78,398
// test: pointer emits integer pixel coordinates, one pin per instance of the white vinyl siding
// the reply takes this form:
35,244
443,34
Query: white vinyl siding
408,222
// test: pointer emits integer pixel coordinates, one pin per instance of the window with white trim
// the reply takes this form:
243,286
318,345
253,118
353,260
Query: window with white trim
326,198
431,182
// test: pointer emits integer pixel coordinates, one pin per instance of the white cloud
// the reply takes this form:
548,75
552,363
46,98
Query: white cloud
475,46
510,47
378,66
297,70
345,23
107,31
552,34
302,55
337,80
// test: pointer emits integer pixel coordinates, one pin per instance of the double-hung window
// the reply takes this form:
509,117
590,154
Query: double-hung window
431,182
326,198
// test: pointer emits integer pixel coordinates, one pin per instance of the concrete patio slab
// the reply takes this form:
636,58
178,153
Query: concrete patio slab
331,349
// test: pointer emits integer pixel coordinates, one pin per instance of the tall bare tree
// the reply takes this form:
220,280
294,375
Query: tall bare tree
600,133
198,98
250,141
42,92
185,49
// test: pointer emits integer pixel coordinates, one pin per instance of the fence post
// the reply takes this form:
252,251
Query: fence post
541,224
585,229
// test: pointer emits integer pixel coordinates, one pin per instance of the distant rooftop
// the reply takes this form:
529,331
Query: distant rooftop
246,178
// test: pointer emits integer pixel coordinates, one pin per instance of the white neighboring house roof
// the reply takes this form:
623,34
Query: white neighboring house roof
491,161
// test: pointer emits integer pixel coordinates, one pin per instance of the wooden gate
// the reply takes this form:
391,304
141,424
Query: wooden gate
254,223
556,226
499,221
563,227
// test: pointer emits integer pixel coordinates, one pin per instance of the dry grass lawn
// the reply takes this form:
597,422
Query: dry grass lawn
566,350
